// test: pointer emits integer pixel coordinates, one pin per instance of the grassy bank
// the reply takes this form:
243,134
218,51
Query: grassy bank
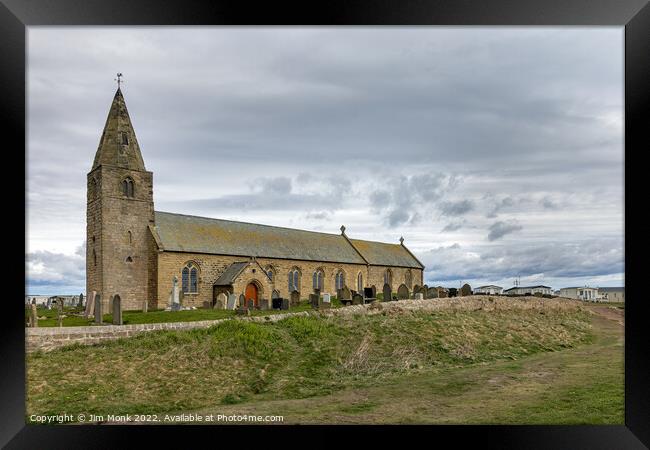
240,364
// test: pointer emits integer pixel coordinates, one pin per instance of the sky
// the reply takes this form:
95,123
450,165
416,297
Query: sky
496,152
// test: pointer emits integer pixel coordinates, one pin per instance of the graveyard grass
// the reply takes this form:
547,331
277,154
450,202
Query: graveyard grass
73,316
486,367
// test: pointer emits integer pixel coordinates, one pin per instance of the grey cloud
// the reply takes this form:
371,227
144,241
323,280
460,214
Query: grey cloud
278,185
452,226
500,229
505,202
457,208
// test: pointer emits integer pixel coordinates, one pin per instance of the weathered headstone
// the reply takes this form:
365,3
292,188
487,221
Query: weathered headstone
402,292
373,291
98,309
81,300
264,304
90,305
295,298
221,301
367,292
232,301
327,298
145,306
314,301
442,292
388,293
425,291
357,299
419,296
34,316
242,301
250,304
276,303
465,290
285,303
117,310
317,291
432,292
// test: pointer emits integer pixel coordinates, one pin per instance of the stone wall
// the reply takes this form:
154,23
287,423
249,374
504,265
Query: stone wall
171,264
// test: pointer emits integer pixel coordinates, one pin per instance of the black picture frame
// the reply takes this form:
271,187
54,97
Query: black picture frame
634,15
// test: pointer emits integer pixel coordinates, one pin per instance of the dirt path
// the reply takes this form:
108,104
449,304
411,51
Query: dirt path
609,312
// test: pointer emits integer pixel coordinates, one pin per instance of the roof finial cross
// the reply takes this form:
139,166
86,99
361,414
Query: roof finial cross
118,79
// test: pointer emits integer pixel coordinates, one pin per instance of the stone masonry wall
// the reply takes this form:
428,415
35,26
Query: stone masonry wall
171,264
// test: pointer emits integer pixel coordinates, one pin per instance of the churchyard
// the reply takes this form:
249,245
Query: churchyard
465,360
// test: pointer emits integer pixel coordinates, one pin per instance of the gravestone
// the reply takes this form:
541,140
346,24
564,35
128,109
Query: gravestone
145,306
242,300
419,296
34,316
242,311
264,304
250,304
345,293
367,292
314,301
90,305
327,301
295,298
357,299
317,291
59,311
81,300
285,303
373,290
402,292
221,301
276,303
442,293
425,291
465,290
432,292
117,310
388,294
98,309
232,301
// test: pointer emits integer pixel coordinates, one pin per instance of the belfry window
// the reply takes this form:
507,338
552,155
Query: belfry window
127,187
190,279
124,138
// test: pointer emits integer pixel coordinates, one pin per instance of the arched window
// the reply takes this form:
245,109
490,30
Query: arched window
270,272
294,280
360,282
125,138
127,187
388,277
408,279
339,281
129,237
190,278
94,257
317,279
129,259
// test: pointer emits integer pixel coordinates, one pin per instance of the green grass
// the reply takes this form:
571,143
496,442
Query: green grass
319,365
156,316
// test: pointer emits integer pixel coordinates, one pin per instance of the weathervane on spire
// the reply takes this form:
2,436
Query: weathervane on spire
118,79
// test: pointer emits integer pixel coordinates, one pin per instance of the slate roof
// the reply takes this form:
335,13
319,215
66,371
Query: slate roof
528,287
382,254
612,289
230,274
183,233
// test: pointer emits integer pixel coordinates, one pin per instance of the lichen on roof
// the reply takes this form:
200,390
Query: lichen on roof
183,233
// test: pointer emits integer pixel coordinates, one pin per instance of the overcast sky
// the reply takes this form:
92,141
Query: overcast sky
495,152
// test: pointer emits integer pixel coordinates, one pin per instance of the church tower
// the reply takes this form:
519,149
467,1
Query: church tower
120,253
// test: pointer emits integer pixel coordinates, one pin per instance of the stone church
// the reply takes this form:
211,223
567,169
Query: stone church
136,252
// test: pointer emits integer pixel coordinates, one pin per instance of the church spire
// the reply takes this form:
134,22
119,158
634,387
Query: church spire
118,145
